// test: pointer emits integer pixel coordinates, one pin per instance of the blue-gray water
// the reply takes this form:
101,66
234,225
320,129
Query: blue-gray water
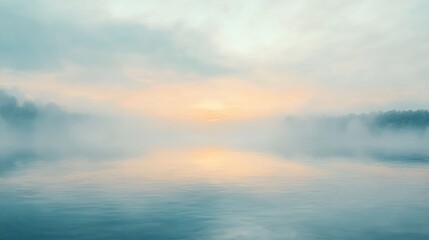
213,193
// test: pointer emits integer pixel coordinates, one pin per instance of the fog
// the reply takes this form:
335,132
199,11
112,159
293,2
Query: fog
394,134
47,129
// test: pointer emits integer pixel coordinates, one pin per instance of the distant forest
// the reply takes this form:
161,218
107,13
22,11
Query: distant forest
16,114
23,115
400,119
390,120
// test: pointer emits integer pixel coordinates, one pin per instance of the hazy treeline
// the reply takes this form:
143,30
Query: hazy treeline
24,116
48,129
392,120
392,134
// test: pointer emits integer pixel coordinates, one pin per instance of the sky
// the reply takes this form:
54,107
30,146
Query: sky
204,61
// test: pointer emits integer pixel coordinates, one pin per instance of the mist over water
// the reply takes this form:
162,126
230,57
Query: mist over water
300,178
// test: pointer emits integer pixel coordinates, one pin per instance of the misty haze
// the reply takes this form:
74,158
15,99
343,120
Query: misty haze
220,120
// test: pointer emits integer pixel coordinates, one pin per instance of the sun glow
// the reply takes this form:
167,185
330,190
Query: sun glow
215,101
210,110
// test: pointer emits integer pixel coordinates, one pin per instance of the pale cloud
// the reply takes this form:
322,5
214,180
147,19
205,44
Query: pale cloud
286,31
39,35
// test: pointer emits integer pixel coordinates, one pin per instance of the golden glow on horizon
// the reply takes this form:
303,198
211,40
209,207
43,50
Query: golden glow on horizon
186,101
219,100
210,110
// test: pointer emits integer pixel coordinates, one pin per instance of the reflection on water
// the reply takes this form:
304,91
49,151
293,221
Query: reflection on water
212,166
214,193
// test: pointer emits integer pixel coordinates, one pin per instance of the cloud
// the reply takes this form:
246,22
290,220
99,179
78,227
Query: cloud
39,35
294,33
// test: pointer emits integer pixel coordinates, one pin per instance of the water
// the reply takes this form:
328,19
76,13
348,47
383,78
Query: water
213,193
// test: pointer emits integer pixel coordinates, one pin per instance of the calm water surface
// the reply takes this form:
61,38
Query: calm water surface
213,193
